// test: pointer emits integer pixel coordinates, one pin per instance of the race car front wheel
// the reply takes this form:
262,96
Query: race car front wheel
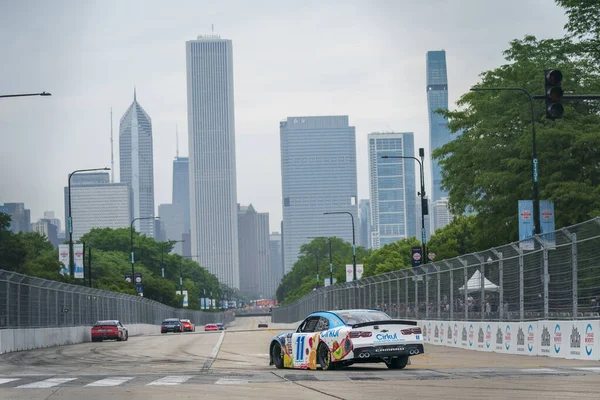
324,358
277,355
397,363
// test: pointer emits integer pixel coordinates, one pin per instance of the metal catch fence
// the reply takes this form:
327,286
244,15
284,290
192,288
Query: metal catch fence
28,302
552,276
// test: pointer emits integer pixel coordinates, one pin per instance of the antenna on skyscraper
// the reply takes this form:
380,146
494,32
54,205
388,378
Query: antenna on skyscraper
112,154
176,142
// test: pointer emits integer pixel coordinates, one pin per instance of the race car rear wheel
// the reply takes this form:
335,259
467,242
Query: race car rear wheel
324,358
397,363
277,355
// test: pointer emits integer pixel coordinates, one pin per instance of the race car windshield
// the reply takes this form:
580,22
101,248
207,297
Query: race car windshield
351,318
104,323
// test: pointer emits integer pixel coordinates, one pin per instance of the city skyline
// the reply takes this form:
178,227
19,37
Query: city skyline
75,120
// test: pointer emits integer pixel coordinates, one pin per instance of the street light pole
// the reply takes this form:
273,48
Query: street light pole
534,160
353,240
131,245
330,259
162,253
423,201
70,218
26,94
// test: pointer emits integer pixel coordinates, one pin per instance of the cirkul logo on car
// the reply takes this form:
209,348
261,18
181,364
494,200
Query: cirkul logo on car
386,336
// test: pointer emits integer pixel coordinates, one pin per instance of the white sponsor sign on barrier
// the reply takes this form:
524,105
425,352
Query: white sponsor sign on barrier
583,340
561,339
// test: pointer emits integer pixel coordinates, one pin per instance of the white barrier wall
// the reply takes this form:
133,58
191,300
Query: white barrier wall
27,339
562,339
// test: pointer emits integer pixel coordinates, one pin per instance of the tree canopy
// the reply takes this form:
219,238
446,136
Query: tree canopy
488,166
32,254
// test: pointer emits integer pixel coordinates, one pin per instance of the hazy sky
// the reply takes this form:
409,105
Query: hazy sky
364,59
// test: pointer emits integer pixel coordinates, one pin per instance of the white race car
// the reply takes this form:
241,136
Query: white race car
344,337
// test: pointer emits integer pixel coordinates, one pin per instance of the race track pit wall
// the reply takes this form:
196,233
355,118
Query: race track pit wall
562,339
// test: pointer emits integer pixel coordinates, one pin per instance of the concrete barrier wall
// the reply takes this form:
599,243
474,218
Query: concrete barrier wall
561,339
27,339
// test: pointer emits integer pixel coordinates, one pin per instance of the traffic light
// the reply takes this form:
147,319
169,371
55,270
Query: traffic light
553,94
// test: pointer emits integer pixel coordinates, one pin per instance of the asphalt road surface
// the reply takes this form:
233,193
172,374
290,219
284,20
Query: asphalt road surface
233,364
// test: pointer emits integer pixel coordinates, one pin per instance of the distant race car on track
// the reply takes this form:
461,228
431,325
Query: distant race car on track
341,338
211,327
263,325
188,326
171,325
111,329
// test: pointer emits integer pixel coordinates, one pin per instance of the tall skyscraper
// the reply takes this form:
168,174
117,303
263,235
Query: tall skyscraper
318,171
181,188
20,217
255,253
137,163
211,131
437,98
364,212
392,183
276,259
98,205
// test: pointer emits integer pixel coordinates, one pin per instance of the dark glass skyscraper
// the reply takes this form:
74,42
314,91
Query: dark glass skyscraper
181,188
437,98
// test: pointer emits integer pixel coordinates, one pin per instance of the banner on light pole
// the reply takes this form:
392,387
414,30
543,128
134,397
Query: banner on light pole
78,260
63,258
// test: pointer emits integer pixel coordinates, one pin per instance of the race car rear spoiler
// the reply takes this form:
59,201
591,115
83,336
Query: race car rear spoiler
388,322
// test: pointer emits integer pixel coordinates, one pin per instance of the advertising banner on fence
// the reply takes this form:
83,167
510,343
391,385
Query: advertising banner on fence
527,338
63,258
553,338
480,336
547,223
78,260
583,341
526,227
349,272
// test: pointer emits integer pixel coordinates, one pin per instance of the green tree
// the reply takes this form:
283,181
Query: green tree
391,257
457,238
302,278
12,251
487,168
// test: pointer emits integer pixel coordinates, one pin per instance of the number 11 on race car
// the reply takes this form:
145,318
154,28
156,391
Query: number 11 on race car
300,348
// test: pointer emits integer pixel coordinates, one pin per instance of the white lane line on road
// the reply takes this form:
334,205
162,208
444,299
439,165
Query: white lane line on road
226,381
208,363
48,383
116,381
6,380
171,380
591,369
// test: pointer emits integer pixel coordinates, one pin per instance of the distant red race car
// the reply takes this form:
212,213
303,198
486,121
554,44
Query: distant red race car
263,325
188,326
110,329
211,327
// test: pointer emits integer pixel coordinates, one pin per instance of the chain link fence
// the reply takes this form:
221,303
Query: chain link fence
28,302
551,276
